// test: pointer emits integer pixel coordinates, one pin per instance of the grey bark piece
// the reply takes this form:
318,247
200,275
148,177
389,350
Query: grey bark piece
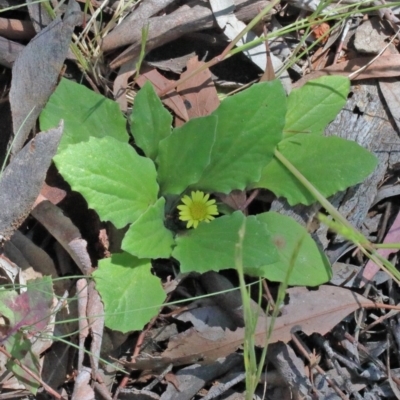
36,70
291,369
193,378
363,119
22,180
371,35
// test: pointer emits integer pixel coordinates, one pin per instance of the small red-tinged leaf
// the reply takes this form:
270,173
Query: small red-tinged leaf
29,309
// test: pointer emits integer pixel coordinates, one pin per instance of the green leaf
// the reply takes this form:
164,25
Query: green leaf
147,237
184,154
249,127
20,347
311,267
85,113
311,107
151,122
131,295
331,164
115,181
211,247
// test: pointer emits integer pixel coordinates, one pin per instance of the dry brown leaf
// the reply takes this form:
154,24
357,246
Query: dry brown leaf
382,67
22,179
53,194
36,70
235,199
198,93
310,311
65,232
173,100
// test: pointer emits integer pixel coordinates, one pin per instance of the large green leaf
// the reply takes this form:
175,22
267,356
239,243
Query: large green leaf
311,107
292,241
147,237
85,113
211,247
115,181
249,127
151,122
131,295
184,154
331,164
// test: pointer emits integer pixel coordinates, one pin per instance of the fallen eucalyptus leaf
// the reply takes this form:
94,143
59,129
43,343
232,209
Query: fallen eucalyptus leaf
23,178
36,71
309,311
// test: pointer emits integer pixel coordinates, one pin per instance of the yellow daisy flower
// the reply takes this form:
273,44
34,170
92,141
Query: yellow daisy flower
197,208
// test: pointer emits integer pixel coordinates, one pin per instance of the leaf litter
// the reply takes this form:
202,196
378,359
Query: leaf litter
64,243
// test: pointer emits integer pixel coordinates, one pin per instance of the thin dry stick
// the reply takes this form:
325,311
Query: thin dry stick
301,348
271,302
46,387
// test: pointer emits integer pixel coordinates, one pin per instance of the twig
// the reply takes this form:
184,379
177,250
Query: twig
317,367
46,387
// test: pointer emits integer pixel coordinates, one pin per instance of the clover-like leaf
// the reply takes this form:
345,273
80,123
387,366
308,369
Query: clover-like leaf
131,294
115,181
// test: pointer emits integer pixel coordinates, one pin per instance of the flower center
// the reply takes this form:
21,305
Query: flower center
198,210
